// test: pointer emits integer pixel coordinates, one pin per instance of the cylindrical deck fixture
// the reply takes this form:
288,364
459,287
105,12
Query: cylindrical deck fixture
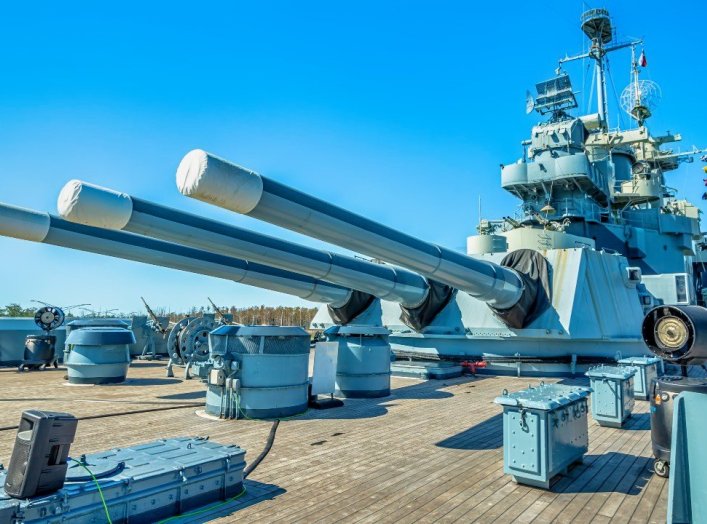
663,394
93,205
39,351
42,227
98,355
259,372
363,363
13,335
211,179
83,323
677,334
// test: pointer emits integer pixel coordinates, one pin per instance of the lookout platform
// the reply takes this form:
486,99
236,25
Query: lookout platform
431,452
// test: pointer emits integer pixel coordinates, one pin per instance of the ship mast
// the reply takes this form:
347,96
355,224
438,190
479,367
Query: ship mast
640,95
596,24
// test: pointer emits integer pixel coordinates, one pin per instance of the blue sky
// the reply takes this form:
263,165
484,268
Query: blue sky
401,111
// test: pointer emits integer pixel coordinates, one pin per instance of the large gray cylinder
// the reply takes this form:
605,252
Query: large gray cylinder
35,226
211,179
363,363
93,205
98,355
83,323
259,372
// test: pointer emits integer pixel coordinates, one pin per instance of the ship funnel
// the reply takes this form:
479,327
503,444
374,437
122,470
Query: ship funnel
211,179
45,228
92,205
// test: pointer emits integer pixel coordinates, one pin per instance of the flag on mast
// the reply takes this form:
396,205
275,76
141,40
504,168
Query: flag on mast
642,59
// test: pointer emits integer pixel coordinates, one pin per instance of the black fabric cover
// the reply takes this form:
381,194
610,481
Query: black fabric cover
356,305
534,271
420,317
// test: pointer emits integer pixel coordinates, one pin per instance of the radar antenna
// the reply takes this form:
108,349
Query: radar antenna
597,26
640,97
529,103
554,96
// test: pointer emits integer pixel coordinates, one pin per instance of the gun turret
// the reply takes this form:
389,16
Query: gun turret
211,179
45,228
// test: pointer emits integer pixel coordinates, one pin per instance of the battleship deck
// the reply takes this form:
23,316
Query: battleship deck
431,452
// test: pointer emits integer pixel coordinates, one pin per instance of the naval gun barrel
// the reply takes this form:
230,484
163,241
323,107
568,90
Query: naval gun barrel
41,227
206,177
93,205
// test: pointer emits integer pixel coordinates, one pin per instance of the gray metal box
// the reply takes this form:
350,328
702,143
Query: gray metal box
612,401
647,369
544,431
143,483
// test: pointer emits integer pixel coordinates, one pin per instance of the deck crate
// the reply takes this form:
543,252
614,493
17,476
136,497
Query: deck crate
612,401
544,431
647,369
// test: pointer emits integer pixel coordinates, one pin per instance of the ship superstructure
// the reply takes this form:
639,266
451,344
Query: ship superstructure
579,177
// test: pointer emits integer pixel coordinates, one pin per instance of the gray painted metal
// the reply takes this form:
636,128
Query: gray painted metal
89,204
647,370
597,314
173,343
211,179
363,362
99,335
42,227
14,332
609,185
95,322
98,355
612,398
194,339
258,372
426,370
188,345
82,323
40,352
141,484
148,340
544,431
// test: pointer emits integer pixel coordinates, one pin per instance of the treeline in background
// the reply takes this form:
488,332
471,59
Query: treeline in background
254,315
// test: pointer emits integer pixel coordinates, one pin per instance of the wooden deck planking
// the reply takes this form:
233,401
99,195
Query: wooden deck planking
659,514
648,498
410,484
397,457
429,453
391,462
597,437
383,460
583,497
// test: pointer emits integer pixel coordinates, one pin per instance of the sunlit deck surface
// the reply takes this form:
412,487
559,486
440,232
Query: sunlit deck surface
431,452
